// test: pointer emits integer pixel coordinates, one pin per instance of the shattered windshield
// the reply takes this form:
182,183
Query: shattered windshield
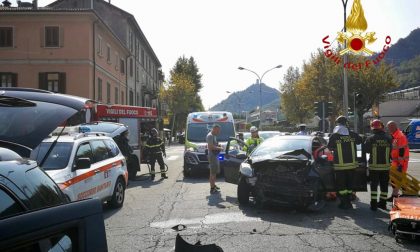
276,146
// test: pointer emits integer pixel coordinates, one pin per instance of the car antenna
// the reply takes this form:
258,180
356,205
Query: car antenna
52,146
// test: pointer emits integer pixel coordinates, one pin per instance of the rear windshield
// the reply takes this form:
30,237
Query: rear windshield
58,158
197,132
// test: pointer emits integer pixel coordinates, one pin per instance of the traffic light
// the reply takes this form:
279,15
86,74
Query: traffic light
358,99
318,109
350,111
328,109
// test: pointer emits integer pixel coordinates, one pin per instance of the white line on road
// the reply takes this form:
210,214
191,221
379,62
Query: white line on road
414,160
206,220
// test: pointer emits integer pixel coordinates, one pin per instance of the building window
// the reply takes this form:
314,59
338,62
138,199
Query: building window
122,97
52,36
99,46
8,80
99,89
142,57
131,67
117,61
6,37
54,82
108,54
138,99
116,96
131,97
108,93
122,66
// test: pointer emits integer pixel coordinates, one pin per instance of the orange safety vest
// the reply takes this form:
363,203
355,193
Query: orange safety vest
399,140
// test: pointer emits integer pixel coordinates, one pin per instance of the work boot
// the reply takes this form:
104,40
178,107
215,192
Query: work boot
382,205
163,175
342,204
152,177
348,204
373,205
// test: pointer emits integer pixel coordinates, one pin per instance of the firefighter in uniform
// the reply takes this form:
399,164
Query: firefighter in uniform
253,141
379,147
343,144
399,153
155,147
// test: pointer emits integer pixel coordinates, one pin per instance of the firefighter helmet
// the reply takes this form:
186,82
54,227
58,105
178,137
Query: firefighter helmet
154,132
253,129
341,120
376,124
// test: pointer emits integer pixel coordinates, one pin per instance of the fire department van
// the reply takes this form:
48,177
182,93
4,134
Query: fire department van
85,165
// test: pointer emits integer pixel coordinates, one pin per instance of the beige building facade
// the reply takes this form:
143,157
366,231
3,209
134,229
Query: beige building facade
77,51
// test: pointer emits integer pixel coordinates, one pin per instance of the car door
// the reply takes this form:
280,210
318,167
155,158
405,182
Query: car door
233,158
102,168
85,187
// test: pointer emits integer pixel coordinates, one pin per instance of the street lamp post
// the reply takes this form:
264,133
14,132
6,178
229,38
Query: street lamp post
260,82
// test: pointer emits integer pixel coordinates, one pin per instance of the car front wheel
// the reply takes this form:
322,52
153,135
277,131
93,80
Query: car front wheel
118,196
243,191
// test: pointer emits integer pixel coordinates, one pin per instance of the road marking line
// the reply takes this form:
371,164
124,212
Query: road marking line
206,220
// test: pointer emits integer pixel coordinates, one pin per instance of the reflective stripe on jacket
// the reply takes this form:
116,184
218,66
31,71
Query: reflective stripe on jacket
379,147
155,145
345,150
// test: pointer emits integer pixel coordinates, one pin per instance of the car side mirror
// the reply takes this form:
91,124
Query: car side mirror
82,163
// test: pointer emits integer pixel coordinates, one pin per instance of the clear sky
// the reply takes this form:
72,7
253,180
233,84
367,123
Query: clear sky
224,34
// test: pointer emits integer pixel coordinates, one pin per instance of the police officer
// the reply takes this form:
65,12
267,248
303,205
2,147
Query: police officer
253,141
155,147
379,147
343,144
399,153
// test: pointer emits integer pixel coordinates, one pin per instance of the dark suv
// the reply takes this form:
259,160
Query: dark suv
34,213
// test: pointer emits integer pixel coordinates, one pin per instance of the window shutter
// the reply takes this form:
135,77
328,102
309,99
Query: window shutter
42,81
62,83
14,80
61,36
42,36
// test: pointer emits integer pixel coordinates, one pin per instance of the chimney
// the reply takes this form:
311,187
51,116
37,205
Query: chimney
6,3
35,4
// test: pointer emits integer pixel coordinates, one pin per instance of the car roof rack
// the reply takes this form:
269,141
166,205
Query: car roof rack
88,134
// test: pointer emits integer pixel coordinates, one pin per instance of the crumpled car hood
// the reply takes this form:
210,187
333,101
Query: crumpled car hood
291,156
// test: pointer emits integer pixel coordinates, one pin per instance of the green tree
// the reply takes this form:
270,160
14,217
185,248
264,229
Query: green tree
180,96
292,104
188,67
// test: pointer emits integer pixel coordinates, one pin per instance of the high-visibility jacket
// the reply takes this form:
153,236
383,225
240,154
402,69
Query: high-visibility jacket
251,143
345,150
400,151
379,147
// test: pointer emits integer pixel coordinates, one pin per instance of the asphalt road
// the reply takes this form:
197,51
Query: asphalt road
151,209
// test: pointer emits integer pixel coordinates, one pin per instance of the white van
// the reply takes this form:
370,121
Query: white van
198,126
